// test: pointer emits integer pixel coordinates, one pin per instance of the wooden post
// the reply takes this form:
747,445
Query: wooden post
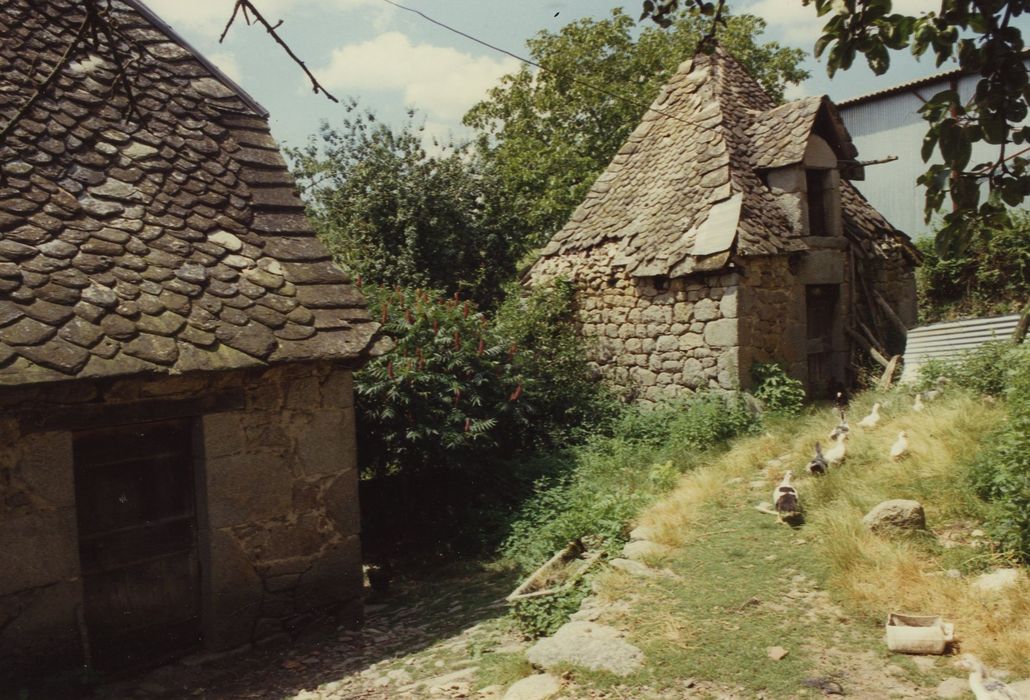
867,346
1021,327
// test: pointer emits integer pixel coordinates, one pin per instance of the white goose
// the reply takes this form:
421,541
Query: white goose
873,419
917,404
985,688
836,454
900,447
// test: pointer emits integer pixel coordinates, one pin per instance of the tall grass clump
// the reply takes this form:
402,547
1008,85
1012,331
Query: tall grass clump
1001,473
596,489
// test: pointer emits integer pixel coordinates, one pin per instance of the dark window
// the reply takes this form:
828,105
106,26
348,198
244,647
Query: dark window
817,183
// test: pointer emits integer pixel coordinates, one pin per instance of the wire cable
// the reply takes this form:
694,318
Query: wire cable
577,81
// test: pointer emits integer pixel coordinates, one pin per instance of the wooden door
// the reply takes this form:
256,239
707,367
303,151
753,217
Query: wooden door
820,317
137,542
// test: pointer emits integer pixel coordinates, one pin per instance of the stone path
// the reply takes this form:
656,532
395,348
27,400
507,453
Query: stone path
423,642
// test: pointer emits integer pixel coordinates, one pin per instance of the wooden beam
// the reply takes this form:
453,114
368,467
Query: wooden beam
889,313
888,374
867,346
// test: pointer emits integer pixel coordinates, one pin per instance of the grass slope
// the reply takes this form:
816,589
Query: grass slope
739,583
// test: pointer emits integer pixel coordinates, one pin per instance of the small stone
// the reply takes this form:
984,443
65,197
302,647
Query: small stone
644,549
537,687
776,653
633,568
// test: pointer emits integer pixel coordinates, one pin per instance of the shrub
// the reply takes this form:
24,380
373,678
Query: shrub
598,487
448,391
1001,473
990,277
779,393
983,370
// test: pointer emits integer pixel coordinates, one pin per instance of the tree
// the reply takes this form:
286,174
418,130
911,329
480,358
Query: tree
395,214
545,135
980,36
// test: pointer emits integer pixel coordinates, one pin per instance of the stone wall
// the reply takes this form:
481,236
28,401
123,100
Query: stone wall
276,499
653,343
772,317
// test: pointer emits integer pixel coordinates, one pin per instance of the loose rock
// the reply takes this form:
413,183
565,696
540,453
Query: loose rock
590,645
538,687
894,515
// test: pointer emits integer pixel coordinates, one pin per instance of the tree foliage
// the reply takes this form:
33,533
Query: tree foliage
396,214
990,277
978,35
545,135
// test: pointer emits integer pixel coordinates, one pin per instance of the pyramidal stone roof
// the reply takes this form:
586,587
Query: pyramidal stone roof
685,191
171,243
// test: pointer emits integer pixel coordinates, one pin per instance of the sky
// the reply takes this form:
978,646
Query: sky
391,60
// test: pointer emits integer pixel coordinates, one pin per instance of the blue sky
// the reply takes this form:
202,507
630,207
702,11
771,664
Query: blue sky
390,59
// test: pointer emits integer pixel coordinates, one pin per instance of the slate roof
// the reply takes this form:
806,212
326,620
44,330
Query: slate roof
170,245
685,191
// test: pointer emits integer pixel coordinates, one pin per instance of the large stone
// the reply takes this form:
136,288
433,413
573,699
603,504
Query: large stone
248,487
728,303
48,469
706,310
538,687
341,503
334,577
997,581
897,514
325,441
631,567
41,624
721,333
38,550
589,645
236,592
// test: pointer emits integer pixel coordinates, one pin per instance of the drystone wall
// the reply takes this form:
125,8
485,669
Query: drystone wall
653,343
277,501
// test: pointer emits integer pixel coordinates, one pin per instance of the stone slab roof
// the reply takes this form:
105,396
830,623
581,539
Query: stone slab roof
698,153
167,244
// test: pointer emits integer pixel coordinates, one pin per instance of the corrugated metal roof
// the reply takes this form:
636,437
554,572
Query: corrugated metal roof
952,339
903,87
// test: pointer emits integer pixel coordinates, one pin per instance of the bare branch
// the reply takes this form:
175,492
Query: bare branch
248,10
69,51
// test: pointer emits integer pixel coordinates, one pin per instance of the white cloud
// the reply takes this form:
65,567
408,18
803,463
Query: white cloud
799,24
208,17
227,62
441,80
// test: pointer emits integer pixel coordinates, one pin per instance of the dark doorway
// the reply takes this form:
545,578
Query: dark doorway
820,317
137,542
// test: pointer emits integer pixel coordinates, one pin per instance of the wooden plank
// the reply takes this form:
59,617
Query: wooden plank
889,313
89,416
888,374
865,345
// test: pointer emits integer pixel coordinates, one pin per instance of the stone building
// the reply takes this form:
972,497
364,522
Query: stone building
726,232
177,459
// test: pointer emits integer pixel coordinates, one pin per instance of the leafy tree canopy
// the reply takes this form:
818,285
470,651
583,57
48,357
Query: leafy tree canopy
396,214
981,37
545,135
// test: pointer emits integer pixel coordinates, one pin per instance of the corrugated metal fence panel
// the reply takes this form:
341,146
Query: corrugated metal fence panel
952,339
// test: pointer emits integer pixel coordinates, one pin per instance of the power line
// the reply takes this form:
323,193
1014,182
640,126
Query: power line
527,61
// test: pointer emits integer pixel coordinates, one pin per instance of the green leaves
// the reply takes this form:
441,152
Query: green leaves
394,214
544,137
983,39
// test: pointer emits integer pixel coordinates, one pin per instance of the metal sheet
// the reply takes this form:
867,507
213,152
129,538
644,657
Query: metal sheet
951,340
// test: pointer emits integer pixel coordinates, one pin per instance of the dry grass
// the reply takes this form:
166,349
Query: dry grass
868,574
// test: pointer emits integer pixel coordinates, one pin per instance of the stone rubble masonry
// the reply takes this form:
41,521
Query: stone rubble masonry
277,510
653,344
